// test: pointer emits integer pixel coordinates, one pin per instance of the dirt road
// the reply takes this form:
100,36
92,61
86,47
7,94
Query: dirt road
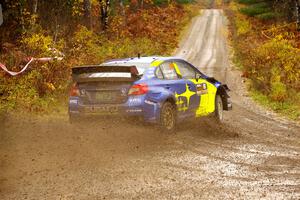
253,155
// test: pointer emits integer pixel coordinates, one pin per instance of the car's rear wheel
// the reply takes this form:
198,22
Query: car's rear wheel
168,117
218,114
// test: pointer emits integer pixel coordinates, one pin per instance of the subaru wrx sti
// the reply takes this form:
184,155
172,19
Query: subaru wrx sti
162,90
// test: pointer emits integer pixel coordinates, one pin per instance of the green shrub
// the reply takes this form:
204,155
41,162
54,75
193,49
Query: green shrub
268,16
278,91
274,68
243,26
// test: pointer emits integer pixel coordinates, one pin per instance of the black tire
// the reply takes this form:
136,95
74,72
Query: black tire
218,113
168,117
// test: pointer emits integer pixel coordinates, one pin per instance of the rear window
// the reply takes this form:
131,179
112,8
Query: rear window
168,70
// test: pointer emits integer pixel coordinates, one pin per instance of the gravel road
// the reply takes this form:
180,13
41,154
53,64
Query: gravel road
253,155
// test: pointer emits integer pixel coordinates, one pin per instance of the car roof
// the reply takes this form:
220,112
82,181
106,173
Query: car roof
135,60
130,61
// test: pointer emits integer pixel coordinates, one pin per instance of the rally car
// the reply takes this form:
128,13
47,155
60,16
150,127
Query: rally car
162,90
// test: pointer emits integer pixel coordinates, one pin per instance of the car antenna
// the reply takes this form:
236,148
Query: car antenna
139,55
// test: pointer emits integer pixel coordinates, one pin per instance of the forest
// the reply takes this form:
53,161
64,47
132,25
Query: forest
264,34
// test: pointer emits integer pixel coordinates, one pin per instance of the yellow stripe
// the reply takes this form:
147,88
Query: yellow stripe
177,69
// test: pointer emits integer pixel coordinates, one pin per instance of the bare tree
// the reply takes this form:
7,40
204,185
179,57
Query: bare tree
104,9
35,6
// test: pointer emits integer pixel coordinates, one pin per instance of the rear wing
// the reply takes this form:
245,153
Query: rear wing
104,73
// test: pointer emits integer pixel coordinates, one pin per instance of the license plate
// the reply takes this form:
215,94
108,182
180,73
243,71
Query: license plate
104,96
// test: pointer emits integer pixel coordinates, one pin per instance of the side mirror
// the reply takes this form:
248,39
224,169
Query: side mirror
197,76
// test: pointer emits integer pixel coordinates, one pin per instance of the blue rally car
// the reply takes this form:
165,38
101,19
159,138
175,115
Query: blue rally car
161,90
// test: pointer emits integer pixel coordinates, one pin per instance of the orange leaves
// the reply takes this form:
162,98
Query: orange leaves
159,24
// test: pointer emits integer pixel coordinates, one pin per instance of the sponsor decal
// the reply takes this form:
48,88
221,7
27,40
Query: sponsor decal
134,110
102,109
201,88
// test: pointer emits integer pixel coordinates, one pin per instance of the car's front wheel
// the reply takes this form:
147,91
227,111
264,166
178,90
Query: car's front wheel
168,117
218,114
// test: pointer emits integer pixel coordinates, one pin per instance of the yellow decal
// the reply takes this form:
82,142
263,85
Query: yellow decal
156,63
177,69
207,91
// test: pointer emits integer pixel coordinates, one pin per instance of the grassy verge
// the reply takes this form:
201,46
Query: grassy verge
269,57
286,108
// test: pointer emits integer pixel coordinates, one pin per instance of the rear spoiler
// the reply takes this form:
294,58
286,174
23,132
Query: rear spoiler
76,71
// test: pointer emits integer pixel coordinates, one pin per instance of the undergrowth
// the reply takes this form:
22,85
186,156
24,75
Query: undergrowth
269,56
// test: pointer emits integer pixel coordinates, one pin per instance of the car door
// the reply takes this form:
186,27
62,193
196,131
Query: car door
203,101
174,83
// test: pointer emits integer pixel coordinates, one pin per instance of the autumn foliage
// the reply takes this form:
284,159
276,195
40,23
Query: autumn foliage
269,55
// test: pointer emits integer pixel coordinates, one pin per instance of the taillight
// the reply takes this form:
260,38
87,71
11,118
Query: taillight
138,89
74,90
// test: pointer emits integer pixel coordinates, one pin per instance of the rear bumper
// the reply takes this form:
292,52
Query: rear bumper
134,106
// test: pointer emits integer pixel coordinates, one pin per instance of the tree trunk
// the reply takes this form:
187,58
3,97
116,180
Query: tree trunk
35,5
106,14
87,13
141,2
105,6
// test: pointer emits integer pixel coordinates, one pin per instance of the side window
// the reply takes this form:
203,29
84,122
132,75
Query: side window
168,70
186,70
159,73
